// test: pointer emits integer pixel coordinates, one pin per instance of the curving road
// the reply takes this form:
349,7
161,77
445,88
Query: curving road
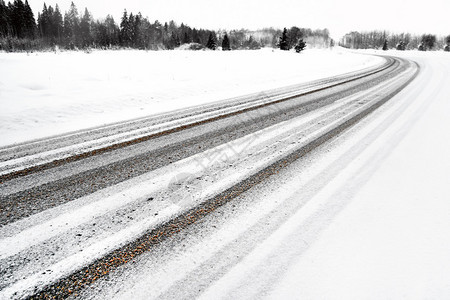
365,215
149,199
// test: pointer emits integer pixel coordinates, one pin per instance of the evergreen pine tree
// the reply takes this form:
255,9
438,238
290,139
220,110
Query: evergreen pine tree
447,48
72,27
284,42
212,42
226,43
385,45
85,29
301,45
30,22
4,19
428,41
49,24
124,30
67,31
195,36
43,21
58,24
112,31
174,41
158,33
186,38
130,29
138,40
18,18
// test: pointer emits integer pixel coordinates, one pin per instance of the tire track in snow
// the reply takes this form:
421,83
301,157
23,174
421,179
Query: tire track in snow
74,180
322,130
22,166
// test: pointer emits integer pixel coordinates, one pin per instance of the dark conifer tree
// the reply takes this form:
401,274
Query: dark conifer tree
85,29
226,43
43,22
284,42
100,34
106,33
49,24
195,36
125,37
5,24
130,29
137,35
294,34
447,48
29,25
157,38
186,38
385,45
113,30
72,27
212,41
18,18
428,41
58,25
203,36
301,45
174,41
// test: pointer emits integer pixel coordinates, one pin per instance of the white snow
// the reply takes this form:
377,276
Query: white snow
233,162
375,223
393,241
371,217
385,216
44,94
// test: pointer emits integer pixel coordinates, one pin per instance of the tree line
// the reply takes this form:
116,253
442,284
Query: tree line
17,19
402,41
19,30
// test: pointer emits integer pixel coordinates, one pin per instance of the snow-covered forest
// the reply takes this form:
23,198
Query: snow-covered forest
402,41
22,30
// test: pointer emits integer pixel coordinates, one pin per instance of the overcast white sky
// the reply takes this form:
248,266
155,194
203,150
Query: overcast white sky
339,17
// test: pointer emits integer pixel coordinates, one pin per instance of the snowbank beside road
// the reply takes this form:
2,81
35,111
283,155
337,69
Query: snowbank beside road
44,94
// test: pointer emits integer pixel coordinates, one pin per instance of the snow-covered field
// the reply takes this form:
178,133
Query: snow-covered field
43,94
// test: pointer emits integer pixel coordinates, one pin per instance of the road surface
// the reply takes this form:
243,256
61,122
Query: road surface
187,204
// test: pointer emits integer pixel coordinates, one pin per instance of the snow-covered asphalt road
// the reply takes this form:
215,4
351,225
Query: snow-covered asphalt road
365,216
181,214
